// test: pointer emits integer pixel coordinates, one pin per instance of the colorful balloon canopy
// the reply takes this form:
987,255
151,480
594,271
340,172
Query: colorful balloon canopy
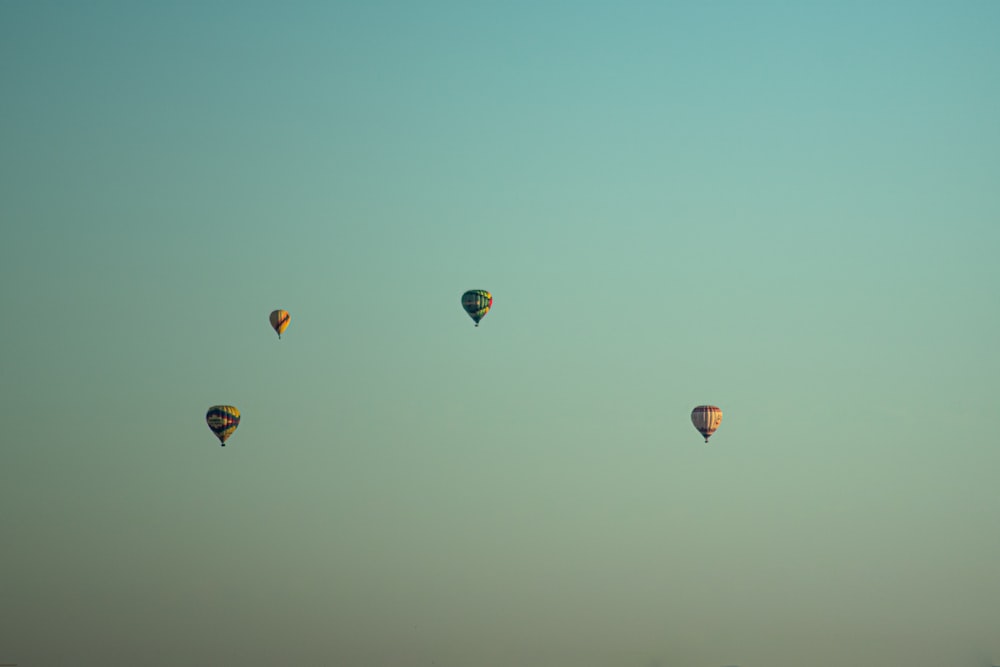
223,420
477,302
706,418
279,321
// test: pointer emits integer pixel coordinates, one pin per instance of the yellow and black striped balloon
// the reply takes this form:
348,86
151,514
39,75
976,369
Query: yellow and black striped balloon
279,321
477,302
223,420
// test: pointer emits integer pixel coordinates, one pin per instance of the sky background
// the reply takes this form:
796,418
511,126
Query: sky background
789,210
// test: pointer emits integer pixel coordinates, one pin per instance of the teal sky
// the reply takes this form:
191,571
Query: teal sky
789,210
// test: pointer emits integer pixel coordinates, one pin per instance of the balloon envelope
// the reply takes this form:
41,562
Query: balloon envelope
477,302
279,321
706,418
223,420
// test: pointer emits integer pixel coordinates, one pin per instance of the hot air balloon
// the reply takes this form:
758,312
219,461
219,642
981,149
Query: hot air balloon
223,420
477,302
706,418
279,321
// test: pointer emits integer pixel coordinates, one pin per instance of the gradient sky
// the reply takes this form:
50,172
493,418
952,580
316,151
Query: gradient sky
790,210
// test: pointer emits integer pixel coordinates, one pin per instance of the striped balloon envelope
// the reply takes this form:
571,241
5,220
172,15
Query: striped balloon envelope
223,420
279,321
706,418
477,302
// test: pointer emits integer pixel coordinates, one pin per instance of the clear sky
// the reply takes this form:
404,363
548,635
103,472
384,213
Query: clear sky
790,210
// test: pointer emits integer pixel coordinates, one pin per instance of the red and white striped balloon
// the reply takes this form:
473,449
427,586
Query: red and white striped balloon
706,418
